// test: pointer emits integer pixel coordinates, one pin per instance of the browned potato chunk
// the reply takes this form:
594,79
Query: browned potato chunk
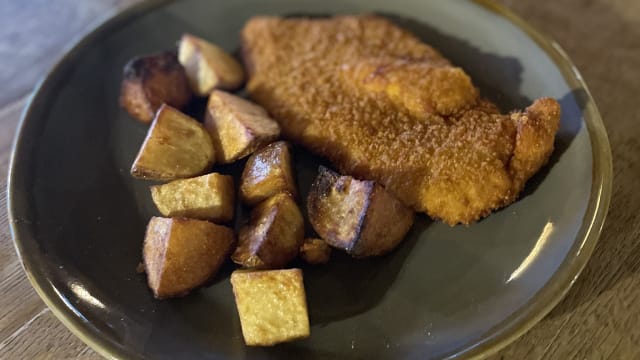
315,251
207,197
273,236
176,146
267,172
272,306
208,66
181,254
238,127
360,217
150,81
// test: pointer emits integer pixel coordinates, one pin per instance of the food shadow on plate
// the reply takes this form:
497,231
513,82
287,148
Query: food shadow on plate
346,287
295,350
205,319
499,79
571,104
485,69
343,288
196,108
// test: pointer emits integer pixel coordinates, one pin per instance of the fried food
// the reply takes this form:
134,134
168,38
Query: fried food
267,172
208,66
273,236
207,197
176,146
181,254
315,251
381,105
153,80
238,127
272,306
359,217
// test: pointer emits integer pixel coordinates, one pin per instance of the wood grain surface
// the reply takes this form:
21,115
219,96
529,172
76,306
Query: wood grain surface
599,318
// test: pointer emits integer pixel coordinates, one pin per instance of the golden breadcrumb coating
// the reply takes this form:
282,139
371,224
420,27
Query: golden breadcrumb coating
381,105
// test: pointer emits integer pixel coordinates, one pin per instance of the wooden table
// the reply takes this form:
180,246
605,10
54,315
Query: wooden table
600,317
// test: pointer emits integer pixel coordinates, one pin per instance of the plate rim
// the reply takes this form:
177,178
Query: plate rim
595,215
504,333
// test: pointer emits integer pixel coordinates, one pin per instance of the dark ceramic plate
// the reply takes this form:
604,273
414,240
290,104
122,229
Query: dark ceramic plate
78,218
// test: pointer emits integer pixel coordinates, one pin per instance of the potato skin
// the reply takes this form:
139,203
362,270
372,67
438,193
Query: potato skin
272,306
385,225
177,146
337,206
181,254
359,217
273,236
267,172
149,81
206,197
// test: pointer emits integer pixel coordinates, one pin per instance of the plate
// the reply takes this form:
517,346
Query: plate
78,218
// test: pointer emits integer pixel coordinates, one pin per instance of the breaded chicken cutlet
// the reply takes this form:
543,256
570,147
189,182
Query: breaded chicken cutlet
381,105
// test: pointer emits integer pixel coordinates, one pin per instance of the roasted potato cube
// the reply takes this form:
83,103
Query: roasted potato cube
207,197
176,146
266,173
360,217
273,236
237,126
272,306
150,81
315,251
182,254
208,66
